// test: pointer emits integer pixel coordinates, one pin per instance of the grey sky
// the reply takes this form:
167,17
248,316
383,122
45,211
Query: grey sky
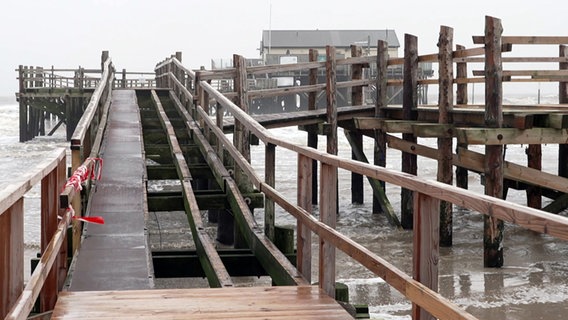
139,33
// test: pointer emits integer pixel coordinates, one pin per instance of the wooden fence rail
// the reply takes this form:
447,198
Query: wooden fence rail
426,195
52,268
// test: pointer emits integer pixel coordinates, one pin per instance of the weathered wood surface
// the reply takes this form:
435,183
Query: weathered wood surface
304,302
216,273
493,166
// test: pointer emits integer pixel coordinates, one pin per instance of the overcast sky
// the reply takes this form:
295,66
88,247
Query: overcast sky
139,33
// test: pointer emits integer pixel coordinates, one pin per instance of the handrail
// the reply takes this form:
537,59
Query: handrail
51,173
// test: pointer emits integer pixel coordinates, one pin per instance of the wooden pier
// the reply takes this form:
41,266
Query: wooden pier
174,129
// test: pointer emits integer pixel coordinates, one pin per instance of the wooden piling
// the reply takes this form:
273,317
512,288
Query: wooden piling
23,106
380,150
313,136
357,195
493,228
461,99
563,99
534,161
241,136
328,180
409,106
445,150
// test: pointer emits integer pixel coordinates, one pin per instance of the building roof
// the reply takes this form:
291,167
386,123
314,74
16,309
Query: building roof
322,38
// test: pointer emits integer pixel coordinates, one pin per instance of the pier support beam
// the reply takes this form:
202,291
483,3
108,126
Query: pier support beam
461,99
409,106
304,238
313,136
328,180
446,105
380,150
493,227
356,100
563,99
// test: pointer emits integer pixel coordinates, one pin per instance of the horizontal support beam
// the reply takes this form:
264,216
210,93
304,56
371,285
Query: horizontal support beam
501,136
216,199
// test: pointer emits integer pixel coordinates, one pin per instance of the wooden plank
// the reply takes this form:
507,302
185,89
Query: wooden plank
502,136
526,39
305,302
528,73
445,143
426,252
217,274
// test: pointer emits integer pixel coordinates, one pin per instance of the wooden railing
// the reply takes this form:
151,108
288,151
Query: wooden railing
48,277
194,91
39,77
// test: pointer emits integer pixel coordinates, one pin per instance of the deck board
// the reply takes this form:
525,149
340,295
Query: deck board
289,302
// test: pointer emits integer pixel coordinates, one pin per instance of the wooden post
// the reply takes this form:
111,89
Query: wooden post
11,256
50,211
269,177
328,180
534,160
357,195
409,106
461,99
380,151
23,105
313,136
241,136
123,82
426,246
445,150
104,57
304,238
563,99
493,228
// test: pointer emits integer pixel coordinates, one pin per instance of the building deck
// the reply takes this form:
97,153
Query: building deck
114,256
289,302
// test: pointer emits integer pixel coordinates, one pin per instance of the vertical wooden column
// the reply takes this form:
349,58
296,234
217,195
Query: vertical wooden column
241,136
534,161
23,106
461,99
426,253
563,99
409,106
446,105
270,179
313,136
11,255
493,228
357,195
328,180
304,237
380,150
123,81
63,253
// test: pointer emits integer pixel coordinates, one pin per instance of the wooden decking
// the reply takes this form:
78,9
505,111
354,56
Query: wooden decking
305,302
114,256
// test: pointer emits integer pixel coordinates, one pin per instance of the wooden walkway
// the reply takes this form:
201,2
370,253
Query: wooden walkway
288,302
114,256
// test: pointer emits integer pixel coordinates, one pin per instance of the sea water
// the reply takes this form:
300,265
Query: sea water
533,284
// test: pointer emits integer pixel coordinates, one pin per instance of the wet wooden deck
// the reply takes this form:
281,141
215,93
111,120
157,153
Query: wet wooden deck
114,256
306,302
